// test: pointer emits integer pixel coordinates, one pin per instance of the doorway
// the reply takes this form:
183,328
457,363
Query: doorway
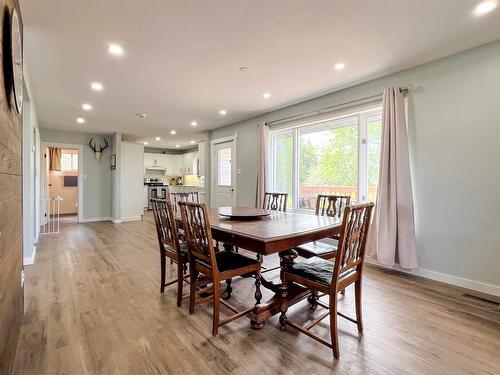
61,186
223,172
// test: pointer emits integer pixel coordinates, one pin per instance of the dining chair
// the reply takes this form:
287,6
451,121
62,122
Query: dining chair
332,276
170,246
326,205
191,196
275,201
217,266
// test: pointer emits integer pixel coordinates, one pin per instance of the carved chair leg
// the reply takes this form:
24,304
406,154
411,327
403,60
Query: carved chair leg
227,293
216,310
284,305
180,283
163,271
193,275
313,299
359,313
258,293
334,333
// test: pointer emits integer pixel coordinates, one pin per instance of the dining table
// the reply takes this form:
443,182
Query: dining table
275,233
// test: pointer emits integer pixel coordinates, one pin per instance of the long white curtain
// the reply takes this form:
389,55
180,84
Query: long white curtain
392,235
262,166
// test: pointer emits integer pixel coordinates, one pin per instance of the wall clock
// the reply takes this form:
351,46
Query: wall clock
16,45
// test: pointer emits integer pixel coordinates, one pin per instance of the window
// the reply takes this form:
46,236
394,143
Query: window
69,160
336,156
224,166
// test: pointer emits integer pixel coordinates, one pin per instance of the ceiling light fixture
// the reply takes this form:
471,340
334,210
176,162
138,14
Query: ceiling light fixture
157,138
222,112
115,49
145,143
485,7
141,115
97,86
173,132
244,69
194,123
177,146
192,142
86,107
80,120
266,95
339,66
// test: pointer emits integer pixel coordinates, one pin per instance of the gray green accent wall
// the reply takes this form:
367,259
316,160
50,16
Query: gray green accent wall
454,135
97,203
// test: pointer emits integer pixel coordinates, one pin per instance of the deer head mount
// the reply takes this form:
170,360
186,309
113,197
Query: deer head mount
97,147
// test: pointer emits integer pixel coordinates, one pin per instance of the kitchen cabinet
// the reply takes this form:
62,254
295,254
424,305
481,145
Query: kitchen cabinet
190,163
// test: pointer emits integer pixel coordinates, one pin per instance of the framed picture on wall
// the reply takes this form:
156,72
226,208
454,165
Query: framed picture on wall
113,161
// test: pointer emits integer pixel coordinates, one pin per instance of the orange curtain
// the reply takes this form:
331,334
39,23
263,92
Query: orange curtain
54,159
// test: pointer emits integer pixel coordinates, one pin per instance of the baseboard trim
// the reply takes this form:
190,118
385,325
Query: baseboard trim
92,219
30,260
126,219
478,286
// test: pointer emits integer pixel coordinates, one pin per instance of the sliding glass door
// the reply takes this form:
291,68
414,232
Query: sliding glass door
338,156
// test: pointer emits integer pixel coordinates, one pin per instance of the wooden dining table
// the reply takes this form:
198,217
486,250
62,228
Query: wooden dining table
277,233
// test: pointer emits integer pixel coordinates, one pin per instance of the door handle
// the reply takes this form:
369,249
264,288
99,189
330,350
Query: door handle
231,189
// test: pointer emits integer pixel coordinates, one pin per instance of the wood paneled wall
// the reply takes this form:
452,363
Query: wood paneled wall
11,252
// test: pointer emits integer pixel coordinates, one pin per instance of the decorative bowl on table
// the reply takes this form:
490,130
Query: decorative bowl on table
243,213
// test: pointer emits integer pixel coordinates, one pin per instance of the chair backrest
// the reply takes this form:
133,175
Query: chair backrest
352,242
275,201
191,196
166,227
198,233
332,205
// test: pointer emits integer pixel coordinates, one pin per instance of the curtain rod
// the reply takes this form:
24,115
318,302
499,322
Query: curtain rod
404,90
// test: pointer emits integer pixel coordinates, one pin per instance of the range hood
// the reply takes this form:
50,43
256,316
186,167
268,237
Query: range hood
155,168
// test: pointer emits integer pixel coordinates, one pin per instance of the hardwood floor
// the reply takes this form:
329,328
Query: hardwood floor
93,306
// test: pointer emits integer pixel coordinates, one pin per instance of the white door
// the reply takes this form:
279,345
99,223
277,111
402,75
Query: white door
224,174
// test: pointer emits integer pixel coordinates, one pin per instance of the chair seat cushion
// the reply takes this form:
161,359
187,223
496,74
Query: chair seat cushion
184,250
229,260
315,269
315,248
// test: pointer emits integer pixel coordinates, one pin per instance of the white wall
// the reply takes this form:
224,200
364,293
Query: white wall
31,174
454,135
131,181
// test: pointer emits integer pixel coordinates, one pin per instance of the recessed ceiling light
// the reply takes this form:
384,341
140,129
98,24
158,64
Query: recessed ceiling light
157,138
97,86
191,142
339,66
177,146
222,112
485,7
173,132
266,95
80,120
194,123
145,143
244,69
86,107
115,49
141,115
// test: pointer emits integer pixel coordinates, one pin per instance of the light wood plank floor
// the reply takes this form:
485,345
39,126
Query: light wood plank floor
93,306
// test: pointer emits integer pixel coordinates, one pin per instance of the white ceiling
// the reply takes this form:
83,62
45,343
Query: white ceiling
182,57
